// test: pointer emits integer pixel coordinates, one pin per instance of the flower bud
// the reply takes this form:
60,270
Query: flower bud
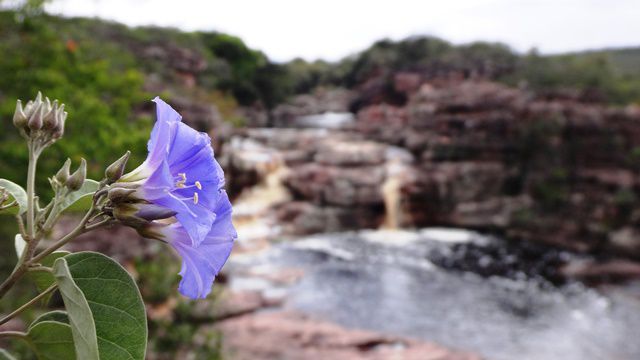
114,171
140,214
35,121
33,105
75,181
124,213
62,117
63,174
19,117
152,212
40,119
118,195
152,230
50,118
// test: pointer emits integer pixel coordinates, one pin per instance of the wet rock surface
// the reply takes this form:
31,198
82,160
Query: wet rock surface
514,261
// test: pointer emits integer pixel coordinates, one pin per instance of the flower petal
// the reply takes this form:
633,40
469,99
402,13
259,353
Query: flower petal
201,264
196,219
163,133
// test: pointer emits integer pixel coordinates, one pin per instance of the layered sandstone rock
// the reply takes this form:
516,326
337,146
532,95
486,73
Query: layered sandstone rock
477,154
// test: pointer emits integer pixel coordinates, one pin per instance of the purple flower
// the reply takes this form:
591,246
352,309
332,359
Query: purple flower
180,173
201,263
180,178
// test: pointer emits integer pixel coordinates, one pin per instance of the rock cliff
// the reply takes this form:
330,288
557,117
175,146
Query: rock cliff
462,153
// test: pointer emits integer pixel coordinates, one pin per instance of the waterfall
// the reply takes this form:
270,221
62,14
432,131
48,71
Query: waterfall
396,172
252,216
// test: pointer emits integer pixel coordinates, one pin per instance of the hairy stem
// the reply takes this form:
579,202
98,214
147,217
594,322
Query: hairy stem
21,227
21,266
31,181
54,211
100,223
29,303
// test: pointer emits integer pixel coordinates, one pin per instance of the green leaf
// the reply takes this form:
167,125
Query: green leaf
44,279
20,245
50,336
116,305
83,328
88,188
52,340
4,355
56,315
17,192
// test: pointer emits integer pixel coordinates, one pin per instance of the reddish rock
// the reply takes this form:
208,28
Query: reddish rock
468,96
407,82
383,122
602,271
301,218
350,153
478,148
180,59
349,186
290,335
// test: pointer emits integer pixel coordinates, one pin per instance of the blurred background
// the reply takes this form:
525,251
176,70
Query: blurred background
410,179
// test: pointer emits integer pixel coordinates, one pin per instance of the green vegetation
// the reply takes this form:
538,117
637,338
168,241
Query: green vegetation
99,96
608,75
592,73
101,69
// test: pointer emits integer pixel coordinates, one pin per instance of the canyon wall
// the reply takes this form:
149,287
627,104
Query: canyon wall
461,153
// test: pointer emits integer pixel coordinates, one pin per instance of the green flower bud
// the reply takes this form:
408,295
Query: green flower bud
114,171
75,181
63,174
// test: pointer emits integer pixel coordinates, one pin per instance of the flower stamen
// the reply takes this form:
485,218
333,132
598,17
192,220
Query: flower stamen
182,180
195,198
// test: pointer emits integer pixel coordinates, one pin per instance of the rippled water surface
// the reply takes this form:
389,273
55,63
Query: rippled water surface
384,281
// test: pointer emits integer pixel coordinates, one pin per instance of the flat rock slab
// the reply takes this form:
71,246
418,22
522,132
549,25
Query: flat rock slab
288,335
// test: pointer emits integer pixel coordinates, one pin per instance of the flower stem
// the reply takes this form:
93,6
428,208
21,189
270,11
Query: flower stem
29,303
79,229
21,266
31,181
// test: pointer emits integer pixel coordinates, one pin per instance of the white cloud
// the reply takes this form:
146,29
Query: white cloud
331,29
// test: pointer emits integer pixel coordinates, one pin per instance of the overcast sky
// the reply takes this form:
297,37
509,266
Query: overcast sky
331,29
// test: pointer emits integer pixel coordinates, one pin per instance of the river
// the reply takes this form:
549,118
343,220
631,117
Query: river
388,281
